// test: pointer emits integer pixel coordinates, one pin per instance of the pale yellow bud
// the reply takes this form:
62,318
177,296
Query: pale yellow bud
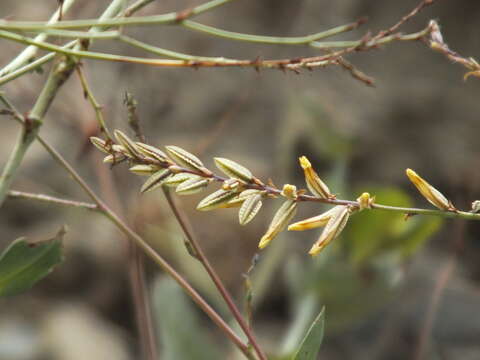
434,196
314,183
334,227
365,201
279,222
289,191
313,222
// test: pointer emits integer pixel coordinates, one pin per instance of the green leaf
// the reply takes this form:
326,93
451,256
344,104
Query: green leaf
24,263
310,345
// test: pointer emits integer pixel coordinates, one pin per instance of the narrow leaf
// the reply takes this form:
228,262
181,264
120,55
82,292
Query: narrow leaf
216,200
312,341
151,151
127,143
155,180
250,207
184,158
231,168
177,179
192,186
23,263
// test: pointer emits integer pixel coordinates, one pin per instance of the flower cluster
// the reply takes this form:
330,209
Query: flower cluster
179,169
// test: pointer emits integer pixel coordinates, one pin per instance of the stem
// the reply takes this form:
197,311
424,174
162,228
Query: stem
138,240
136,270
57,77
296,40
13,194
184,224
149,251
44,59
25,138
96,106
29,52
140,20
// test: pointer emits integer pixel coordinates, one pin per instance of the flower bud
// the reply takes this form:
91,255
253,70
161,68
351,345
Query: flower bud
314,183
434,196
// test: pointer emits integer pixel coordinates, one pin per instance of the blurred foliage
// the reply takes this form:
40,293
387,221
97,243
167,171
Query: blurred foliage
24,263
371,235
181,334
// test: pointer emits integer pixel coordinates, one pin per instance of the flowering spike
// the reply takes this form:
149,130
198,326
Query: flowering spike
314,183
334,227
434,196
279,222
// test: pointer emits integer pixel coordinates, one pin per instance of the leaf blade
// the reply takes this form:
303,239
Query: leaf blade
22,264
312,341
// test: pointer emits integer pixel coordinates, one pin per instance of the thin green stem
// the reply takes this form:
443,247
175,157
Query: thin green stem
58,75
46,58
298,40
25,138
200,255
81,34
169,53
140,20
31,66
29,52
13,194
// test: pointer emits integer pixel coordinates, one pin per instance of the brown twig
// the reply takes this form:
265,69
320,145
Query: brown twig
142,244
200,255
436,43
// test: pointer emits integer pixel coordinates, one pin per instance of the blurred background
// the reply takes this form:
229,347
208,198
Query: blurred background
393,289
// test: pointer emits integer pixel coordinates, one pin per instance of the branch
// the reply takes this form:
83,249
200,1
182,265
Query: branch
140,242
28,53
200,255
58,75
13,194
